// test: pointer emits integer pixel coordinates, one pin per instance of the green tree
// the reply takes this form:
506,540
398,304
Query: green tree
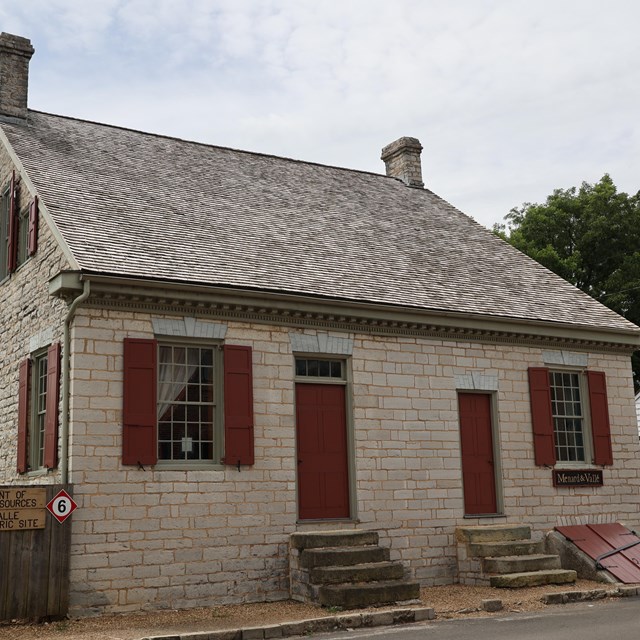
591,237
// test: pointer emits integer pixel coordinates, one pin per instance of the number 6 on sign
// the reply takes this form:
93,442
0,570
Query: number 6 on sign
61,506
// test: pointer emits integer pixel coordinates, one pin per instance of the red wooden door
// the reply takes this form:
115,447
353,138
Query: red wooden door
476,441
323,477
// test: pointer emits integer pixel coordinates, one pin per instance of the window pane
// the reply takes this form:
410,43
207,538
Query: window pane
317,368
39,408
567,416
185,402
312,368
23,232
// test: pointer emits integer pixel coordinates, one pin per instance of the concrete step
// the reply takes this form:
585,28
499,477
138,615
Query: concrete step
493,533
501,549
367,572
346,538
353,596
342,556
533,578
521,564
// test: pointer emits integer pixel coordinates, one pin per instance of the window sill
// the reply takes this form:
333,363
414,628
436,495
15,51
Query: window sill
37,473
189,466
574,466
317,521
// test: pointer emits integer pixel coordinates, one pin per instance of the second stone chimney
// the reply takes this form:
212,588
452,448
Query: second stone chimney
15,54
402,160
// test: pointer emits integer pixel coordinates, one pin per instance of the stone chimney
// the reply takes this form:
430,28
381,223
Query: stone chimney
15,53
402,160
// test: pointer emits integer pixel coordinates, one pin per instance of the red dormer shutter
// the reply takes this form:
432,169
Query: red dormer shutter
139,420
51,409
23,416
541,416
32,244
238,405
12,253
600,426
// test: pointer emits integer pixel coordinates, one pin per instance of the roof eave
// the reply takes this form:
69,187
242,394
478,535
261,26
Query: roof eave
110,289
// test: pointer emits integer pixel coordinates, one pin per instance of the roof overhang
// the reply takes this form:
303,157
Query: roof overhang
303,310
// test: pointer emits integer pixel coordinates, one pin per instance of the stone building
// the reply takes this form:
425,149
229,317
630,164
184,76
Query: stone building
218,349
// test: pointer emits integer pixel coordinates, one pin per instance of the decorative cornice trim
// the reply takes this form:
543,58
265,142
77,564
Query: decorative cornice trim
336,315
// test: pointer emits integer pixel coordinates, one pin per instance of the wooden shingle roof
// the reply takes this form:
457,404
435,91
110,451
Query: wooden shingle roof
141,205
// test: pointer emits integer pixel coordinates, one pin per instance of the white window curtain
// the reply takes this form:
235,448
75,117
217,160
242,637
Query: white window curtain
171,381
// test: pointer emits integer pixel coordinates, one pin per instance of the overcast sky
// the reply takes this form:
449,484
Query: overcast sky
510,98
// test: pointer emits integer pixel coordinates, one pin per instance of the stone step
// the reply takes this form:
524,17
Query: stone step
493,533
342,556
521,564
345,538
500,549
533,578
367,572
353,596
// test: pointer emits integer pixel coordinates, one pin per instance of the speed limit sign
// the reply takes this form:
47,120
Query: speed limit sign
61,506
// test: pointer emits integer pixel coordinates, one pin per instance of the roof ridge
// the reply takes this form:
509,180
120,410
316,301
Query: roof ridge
211,146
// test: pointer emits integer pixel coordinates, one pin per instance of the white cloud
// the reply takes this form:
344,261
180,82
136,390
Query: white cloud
510,98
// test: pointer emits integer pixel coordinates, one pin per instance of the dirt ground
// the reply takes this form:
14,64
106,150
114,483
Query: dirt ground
452,601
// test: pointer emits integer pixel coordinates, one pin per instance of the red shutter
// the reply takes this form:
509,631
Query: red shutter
32,244
238,405
51,410
139,420
12,253
600,426
23,416
541,416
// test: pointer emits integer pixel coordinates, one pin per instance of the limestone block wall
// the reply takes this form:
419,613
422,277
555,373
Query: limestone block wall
148,537
28,317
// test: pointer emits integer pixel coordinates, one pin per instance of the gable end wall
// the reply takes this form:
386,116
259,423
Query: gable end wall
29,319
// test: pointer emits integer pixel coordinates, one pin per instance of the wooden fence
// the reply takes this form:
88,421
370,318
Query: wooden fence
34,567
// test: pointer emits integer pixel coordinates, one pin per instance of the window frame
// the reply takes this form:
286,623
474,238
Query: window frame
22,237
5,213
587,432
38,410
318,379
37,414
217,409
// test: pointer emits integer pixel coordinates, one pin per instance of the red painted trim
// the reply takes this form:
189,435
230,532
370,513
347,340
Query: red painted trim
541,416
23,416
238,406
12,253
139,420
600,425
52,404
32,243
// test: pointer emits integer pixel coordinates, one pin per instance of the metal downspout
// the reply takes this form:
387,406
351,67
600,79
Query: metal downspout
66,368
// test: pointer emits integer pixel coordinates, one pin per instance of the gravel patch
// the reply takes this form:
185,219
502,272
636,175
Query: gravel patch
451,601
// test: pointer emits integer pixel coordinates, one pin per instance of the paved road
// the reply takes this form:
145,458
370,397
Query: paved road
618,620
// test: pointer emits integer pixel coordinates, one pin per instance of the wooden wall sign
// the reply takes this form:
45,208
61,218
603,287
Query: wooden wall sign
22,508
577,478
